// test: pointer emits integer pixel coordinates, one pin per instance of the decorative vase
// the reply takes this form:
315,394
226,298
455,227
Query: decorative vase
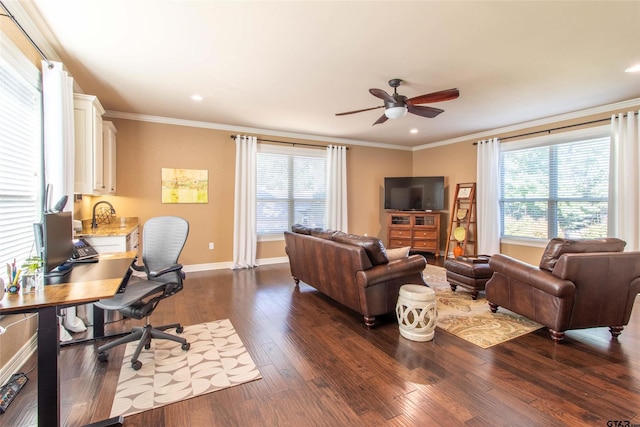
457,251
33,278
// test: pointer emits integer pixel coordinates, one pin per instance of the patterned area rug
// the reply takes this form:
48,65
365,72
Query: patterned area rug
216,360
472,320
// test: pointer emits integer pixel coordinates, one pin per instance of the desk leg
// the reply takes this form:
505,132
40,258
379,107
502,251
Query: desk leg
98,322
48,373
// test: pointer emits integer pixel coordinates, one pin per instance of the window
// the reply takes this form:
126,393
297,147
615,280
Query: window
290,188
20,154
556,186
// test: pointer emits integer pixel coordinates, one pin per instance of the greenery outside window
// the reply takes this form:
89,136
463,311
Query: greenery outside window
290,189
556,186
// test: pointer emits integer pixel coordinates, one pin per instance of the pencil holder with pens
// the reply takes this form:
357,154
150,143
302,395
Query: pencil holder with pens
28,278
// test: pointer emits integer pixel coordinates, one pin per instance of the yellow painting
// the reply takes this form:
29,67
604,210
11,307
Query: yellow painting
185,186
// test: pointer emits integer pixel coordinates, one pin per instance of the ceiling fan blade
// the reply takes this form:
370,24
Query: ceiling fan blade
383,118
379,93
443,95
358,111
423,111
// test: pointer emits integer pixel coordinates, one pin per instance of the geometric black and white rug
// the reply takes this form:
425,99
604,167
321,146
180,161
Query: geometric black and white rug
216,360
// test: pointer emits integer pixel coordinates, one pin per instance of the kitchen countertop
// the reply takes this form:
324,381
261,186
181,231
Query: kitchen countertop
119,226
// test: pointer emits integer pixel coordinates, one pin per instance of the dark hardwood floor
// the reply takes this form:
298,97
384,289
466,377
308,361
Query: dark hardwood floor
322,367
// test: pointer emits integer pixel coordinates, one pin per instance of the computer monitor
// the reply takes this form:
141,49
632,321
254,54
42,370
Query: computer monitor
57,242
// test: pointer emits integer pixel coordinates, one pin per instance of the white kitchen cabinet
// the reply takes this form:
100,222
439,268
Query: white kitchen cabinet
89,155
109,144
114,243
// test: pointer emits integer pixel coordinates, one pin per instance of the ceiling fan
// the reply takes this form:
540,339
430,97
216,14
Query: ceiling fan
396,105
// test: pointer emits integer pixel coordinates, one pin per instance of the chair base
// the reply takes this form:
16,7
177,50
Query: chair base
558,336
144,334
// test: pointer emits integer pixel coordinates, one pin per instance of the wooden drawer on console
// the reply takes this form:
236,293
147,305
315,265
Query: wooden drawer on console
425,234
399,243
401,233
427,245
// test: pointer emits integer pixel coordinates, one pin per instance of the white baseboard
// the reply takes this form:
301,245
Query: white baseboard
229,264
16,362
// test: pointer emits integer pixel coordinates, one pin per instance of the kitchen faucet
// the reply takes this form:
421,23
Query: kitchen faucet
94,223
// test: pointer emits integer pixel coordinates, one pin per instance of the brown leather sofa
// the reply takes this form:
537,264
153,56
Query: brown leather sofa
579,284
352,270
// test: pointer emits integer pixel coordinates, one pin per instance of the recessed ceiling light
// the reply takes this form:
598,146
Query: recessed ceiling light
633,69
414,131
197,97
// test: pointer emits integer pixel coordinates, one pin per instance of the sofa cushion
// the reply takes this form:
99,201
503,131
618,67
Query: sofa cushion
323,234
397,253
558,246
301,229
373,246
315,232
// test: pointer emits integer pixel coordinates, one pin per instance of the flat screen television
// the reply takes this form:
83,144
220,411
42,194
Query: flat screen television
57,241
414,193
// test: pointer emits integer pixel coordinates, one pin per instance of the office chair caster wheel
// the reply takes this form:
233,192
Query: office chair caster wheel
136,365
180,329
102,357
147,346
186,346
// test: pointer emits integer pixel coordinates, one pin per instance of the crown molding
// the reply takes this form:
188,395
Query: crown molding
243,129
631,103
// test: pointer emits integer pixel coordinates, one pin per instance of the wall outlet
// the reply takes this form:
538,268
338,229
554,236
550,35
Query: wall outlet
211,245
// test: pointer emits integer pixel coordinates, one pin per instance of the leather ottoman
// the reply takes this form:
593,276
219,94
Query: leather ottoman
471,273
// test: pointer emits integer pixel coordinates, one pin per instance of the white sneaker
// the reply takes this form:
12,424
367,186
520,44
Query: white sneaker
85,313
64,335
74,324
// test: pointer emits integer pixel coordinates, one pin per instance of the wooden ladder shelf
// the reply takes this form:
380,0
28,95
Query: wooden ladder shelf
463,226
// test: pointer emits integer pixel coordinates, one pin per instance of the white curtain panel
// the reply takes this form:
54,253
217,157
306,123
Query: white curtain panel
624,184
59,137
487,195
337,218
244,226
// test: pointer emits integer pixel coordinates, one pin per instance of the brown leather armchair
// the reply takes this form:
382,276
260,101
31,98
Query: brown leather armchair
579,284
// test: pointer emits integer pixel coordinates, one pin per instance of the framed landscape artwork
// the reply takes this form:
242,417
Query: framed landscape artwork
185,185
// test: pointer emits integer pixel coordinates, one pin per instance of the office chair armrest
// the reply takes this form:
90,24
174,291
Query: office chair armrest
173,268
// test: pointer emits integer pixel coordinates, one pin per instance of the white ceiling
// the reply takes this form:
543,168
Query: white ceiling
290,66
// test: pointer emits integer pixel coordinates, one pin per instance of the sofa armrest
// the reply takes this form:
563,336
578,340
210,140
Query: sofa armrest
390,271
531,275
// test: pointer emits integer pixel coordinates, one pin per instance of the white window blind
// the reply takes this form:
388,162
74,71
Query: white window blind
556,190
20,154
290,188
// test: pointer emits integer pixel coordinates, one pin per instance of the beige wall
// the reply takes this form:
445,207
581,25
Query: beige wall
144,148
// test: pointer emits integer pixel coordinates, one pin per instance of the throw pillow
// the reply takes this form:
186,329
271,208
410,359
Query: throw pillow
372,246
398,253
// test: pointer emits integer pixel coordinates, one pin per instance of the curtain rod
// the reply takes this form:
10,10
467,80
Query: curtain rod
289,143
15,21
554,129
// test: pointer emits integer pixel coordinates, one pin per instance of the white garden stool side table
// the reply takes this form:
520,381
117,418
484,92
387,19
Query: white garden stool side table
416,312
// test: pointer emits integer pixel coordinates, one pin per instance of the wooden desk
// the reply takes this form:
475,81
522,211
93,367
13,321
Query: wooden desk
85,283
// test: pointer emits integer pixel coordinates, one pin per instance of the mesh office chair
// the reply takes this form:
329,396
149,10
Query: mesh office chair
162,241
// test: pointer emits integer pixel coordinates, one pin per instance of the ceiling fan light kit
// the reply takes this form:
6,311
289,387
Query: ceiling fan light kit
397,106
395,112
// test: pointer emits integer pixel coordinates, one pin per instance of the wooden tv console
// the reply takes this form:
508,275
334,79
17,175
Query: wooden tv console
419,230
